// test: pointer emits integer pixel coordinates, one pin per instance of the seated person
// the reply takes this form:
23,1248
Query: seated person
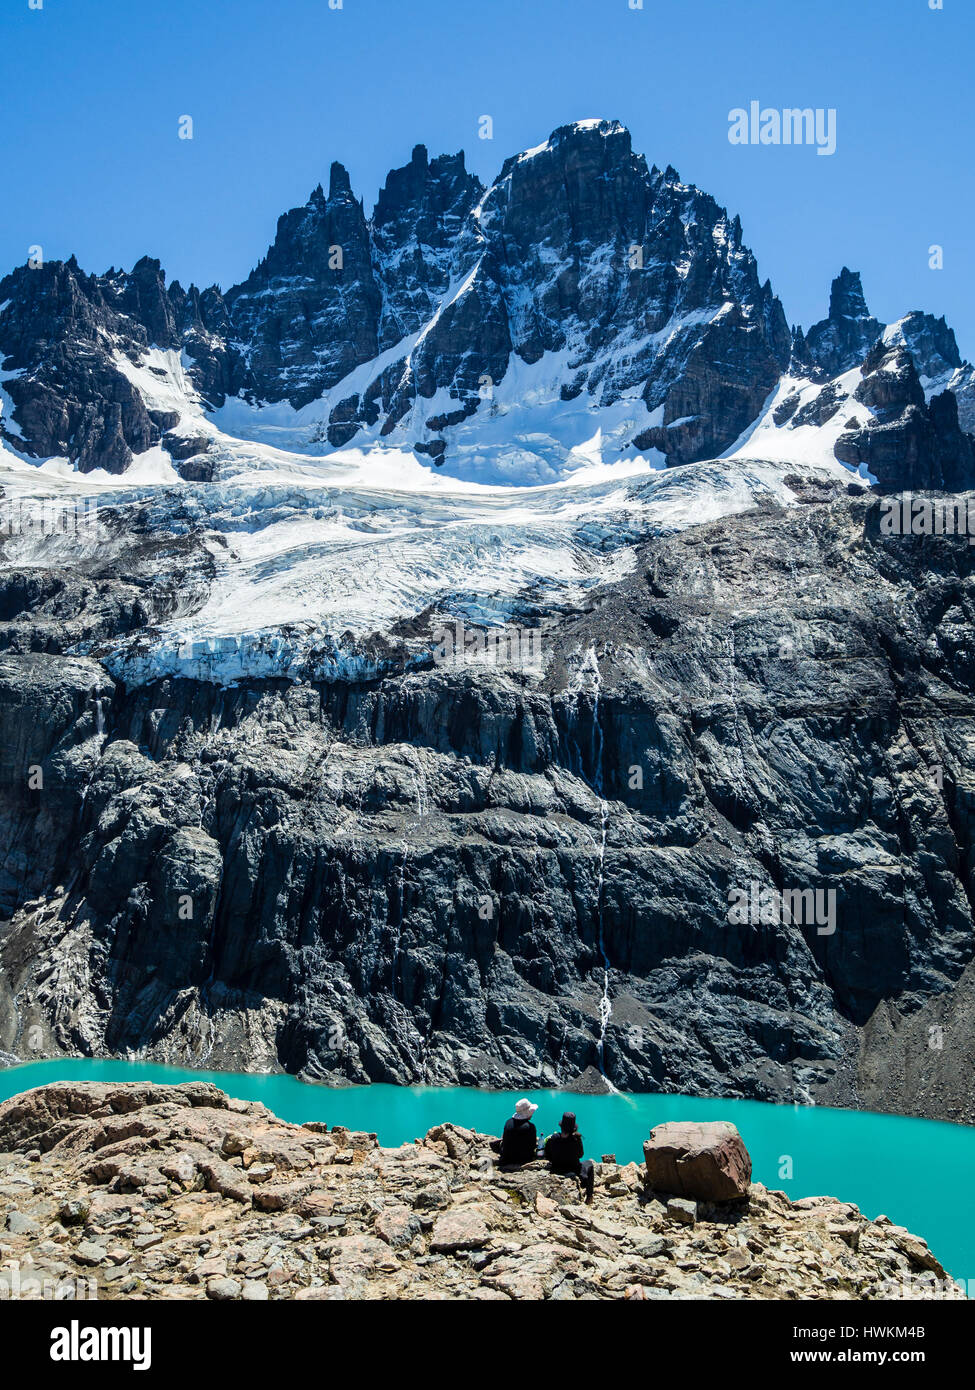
564,1152
519,1142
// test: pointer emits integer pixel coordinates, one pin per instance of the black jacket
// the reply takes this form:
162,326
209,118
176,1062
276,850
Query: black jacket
519,1141
564,1151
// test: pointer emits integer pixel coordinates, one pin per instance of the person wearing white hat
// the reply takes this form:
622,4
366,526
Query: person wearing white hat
519,1142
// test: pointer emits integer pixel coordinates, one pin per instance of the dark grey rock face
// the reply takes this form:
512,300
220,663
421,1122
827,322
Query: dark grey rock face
907,444
640,280
62,333
69,398
309,313
402,879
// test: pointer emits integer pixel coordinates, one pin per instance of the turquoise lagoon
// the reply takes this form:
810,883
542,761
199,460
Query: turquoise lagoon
919,1172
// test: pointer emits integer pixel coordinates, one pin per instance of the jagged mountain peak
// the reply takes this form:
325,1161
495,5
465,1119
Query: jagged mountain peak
908,440
629,283
578,251
579,145
436,192
940,366
841,341
339,183
846,297
493,330
930,340
591,128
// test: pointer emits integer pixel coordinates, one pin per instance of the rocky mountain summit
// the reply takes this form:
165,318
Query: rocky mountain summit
177,1192
634,285
907,437
70,344
465,324
842,340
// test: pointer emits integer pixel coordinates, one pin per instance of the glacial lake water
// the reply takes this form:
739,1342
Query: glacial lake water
919,1172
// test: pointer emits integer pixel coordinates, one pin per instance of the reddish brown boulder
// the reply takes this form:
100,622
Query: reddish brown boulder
708,1162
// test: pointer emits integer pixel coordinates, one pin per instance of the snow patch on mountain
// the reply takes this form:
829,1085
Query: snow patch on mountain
162,377
937,370
804,445
10,426
524,431
320,558
310,580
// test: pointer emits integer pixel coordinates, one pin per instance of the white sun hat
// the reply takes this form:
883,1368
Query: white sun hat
524,1109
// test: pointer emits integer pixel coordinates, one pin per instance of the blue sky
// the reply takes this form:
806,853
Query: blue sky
92,91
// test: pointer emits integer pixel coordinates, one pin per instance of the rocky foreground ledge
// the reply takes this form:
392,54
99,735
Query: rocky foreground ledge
141,1191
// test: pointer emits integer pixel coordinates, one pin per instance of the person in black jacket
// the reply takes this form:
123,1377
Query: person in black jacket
564,1152
519,1142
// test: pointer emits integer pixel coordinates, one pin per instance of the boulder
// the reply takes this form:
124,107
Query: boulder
20,1224
74,1212
88,1253
705,1161
396,1225
682,1210
463,1228
223,1290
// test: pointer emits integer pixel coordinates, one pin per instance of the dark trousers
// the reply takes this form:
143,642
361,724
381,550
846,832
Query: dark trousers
586,1173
